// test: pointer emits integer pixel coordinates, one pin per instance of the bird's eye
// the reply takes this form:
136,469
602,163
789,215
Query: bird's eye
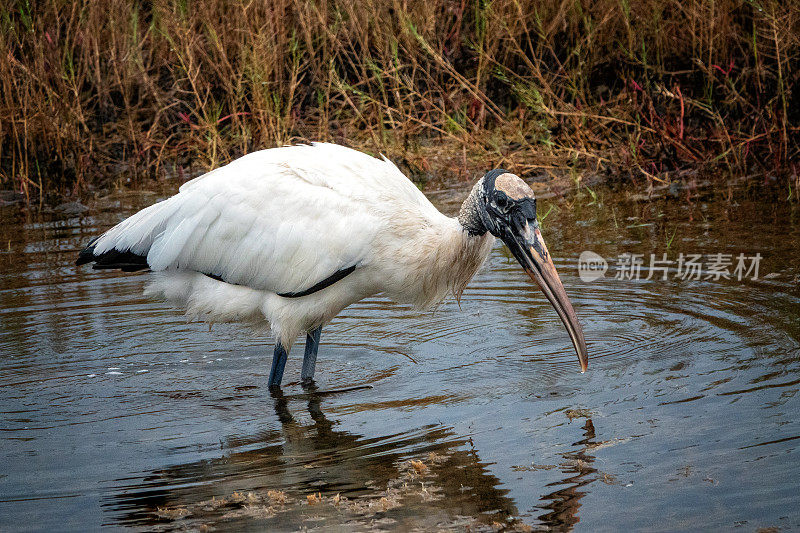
502,202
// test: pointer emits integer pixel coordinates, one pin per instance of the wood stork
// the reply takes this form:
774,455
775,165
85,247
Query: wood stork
291,236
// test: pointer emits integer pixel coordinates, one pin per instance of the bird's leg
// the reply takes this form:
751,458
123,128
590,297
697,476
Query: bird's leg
310,357
278,364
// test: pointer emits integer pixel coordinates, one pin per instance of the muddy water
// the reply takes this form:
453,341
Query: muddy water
117,412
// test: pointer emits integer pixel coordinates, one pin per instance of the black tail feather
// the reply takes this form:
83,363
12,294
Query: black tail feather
126,261
87,254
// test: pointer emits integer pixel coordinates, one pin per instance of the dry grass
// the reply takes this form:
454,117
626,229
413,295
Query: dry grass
142,89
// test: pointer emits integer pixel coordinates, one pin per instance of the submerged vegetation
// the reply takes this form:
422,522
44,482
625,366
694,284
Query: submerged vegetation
144,89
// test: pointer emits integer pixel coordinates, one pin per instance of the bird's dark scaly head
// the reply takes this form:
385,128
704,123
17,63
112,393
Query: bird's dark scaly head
506,207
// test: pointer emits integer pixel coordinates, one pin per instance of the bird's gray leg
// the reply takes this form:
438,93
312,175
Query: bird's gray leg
278,364
310,357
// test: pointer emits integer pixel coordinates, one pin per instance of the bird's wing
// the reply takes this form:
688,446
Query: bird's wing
281,220
352,173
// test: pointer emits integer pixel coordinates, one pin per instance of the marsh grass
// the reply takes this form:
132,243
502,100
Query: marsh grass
97,90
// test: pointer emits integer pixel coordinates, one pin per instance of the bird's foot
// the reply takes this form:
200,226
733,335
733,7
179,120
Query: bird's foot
340,391
310,389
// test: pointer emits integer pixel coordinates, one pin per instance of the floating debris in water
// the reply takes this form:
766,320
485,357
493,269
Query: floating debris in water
609,479
435,458
418,466
71,208
250,497
578,413
532,468
278,497
172,514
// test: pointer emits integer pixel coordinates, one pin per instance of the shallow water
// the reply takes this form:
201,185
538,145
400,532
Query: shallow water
117,412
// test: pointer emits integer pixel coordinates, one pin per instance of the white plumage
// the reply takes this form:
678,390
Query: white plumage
283,219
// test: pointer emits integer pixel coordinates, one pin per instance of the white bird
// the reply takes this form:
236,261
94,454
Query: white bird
291,236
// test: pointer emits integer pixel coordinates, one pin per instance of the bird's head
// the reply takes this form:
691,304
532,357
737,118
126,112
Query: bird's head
502,204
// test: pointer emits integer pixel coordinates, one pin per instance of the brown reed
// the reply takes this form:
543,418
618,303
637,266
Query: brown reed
96,91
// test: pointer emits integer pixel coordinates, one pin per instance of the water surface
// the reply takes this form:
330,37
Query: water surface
115,411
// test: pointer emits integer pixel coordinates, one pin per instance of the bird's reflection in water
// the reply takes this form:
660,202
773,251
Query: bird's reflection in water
563,504
424,478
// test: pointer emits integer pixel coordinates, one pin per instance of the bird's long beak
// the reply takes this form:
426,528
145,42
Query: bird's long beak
530,250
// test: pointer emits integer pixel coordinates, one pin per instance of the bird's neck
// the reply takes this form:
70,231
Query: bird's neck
446,257
461,246
469,216
471,251
439,255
